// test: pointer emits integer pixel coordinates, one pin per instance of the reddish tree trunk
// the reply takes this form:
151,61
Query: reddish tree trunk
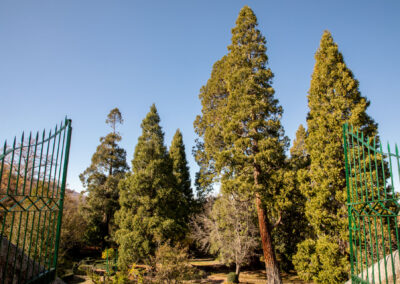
271,265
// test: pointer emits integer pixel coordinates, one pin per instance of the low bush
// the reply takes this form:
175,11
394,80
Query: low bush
171,265
232,278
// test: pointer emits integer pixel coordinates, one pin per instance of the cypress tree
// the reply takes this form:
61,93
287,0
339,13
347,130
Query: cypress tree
180,171
101,181
148,198
333,99
243,142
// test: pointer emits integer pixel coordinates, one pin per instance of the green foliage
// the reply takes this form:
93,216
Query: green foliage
121,278
232,277
72,230
242,142
294,227
333,99
108,253
148,198
180,171
321,261
135,274
172,265
101,180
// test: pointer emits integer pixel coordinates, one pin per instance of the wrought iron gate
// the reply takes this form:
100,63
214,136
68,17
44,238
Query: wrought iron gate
373,208
33,175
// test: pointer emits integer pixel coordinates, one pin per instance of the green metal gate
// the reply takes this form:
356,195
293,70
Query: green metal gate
373,208
33,175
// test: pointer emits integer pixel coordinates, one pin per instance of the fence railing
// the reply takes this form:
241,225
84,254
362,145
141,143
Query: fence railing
373,208
33,174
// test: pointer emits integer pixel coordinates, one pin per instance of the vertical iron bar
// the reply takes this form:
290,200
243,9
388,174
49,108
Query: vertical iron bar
19,164
45,166
390,170
365,172
23,246
372,250
61,160
47,239
390,247
63,184
30,243
40,165
55,170
345,133
51,161
355,166
2,163
17,245
26,163
383,170
8,247
11,166
365,246
384,250
363,199
376,171
370,170
377,247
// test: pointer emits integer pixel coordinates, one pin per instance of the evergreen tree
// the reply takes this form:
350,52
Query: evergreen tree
148,198
294,227
101,181
299,157
333,99
243,139
209,126
180,171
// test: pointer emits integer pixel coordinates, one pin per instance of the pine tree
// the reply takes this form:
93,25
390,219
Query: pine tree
148,198
243,139
180,171
101,181
333,99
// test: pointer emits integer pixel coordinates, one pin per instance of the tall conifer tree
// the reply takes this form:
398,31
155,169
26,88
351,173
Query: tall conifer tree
148,198
180,171
101,181
243,139
333,99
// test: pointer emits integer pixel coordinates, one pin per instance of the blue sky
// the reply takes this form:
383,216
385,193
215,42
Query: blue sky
81,58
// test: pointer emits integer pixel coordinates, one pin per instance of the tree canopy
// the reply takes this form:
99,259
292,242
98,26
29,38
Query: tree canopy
242,142
148,198
101,182
333,99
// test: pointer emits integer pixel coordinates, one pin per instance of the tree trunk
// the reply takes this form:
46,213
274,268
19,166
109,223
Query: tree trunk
271,265
237,270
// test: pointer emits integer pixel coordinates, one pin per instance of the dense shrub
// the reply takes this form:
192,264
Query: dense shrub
171,265
232,278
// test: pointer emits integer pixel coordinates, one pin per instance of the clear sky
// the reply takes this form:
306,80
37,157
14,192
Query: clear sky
81,58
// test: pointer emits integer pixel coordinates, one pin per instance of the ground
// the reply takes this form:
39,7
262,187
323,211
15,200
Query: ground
217,273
